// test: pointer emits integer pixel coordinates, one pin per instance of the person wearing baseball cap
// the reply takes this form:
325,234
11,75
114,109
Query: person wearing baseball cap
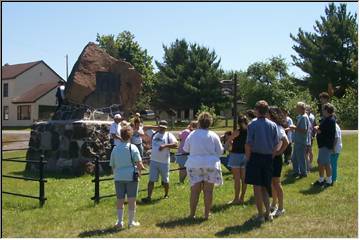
161,143
115,129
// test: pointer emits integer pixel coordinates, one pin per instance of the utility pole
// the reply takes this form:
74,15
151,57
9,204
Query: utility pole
67,75
235,101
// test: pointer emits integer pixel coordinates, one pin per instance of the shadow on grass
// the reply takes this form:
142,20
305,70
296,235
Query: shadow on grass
180,222
153,201
17,207
312,190
289,178
221,207
247,226
99,232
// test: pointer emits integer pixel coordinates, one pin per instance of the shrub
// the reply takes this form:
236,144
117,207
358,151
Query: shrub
347,108
211,110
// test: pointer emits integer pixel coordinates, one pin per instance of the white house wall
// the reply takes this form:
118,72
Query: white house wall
23,83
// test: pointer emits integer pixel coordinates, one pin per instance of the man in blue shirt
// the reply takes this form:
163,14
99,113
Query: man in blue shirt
300,141
260,149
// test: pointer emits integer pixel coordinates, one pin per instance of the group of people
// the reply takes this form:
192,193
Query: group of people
257,151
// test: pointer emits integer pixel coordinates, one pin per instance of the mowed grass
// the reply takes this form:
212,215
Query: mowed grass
69,212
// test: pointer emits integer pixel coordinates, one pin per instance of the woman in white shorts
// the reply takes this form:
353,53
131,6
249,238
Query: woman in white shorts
203,165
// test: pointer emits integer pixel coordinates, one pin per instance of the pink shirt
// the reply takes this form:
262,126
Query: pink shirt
183,135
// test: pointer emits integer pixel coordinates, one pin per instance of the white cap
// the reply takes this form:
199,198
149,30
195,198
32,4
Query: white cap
117,116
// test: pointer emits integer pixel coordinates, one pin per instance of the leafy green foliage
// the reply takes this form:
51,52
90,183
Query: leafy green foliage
211,110
347,109
126,48
188,77
329,55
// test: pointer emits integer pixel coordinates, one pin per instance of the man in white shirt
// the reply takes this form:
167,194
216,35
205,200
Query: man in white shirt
115,131
161,143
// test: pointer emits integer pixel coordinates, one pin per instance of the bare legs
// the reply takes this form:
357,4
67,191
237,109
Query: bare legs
151,188
277,193
262,197
239,176
182,175
194,198
208,197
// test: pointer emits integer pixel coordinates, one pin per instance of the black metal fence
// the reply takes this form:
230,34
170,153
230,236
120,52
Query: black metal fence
41,178
96,198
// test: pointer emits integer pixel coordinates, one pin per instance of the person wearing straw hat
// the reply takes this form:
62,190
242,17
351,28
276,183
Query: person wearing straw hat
161,143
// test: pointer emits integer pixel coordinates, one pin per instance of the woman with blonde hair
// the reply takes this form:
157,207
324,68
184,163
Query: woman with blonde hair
203,165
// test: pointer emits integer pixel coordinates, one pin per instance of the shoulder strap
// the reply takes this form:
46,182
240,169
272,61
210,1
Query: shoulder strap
168,139
132,161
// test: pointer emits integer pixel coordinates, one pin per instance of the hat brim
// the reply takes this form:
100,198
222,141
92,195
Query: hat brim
162,126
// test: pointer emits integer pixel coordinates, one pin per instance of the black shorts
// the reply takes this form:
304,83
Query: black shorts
259,170
277,166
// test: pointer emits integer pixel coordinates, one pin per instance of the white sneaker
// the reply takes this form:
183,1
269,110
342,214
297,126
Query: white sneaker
269,218
279,212
134,224
273,208
119,224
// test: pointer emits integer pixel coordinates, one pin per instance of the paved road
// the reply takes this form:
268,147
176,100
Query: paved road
25,135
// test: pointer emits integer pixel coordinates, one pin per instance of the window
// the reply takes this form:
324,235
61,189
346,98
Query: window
6,90
23,112
6,113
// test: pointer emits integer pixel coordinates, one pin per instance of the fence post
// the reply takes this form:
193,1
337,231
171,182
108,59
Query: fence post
41,180
96,180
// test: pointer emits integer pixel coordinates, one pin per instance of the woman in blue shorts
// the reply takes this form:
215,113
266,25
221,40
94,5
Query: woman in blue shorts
237,160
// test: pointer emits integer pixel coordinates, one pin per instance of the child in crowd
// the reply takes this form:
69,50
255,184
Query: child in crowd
335,155
181,155
237,160
325,138
225,159
262,140
277,116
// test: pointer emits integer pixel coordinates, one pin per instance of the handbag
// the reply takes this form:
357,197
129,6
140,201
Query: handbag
135,173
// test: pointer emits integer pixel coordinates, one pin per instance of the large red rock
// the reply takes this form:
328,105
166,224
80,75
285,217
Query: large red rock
100,80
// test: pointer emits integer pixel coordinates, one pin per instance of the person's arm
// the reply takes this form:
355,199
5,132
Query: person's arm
186,146
284,143
218,146
137,158
173,143
112,160
247,151
301,127
229,141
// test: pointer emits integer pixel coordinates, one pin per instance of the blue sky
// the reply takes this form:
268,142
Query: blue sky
240,33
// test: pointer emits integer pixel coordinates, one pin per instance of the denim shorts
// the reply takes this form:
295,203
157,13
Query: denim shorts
128,188
181,159
156,169
324,156
237,160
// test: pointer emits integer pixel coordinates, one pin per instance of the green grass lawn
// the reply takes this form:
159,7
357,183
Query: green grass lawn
69,212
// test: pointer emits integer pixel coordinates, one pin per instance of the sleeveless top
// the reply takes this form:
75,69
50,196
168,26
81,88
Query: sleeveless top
238,145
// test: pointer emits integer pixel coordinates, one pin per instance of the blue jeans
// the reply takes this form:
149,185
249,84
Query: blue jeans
334,158
299,160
